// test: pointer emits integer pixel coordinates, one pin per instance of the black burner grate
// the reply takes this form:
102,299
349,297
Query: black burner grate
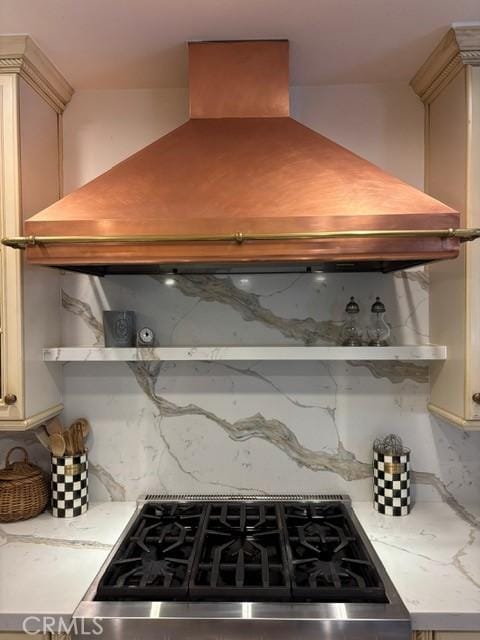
326,557
257,552
242,555
155,560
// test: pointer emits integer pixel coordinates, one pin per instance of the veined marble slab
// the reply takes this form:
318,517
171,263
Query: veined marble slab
171,354
48,563
254,425
432,556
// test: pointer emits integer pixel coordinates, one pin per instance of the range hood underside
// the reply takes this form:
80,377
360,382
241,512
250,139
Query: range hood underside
381,266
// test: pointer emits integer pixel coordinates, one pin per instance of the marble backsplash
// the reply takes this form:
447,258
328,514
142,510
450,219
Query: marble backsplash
208,427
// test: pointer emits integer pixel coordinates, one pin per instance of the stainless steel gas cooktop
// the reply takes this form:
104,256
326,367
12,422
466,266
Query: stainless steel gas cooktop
245,566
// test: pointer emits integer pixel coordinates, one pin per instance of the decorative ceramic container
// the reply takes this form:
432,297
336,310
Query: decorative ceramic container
69,485
391,477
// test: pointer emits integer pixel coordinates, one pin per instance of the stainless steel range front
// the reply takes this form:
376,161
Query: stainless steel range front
238,567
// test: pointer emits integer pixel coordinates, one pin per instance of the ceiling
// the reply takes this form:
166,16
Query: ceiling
141,43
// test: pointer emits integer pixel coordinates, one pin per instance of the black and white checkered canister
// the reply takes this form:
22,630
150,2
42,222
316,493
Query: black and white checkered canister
69,485
391,483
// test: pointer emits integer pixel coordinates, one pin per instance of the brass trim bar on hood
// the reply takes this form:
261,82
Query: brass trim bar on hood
22,242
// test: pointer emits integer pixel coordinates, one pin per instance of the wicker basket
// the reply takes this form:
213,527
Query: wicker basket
23,489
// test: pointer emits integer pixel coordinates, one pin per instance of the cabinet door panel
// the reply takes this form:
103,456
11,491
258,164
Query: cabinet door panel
445,179
11,342
473,250
457,635
40,187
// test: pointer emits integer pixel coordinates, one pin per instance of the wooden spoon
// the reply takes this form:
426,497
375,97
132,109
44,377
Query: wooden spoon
57,444
54,426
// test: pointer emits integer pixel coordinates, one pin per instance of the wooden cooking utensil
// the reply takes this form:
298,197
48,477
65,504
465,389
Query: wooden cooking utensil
73,447
68,443
57,444
70,440
73,436
79,430
54,426
79,438
84,424
42,437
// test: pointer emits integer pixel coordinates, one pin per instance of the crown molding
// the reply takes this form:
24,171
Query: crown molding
459,47
21,55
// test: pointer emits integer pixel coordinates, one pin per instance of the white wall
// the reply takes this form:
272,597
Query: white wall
382,122
103,127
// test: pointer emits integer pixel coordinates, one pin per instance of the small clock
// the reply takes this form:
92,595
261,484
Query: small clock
145,337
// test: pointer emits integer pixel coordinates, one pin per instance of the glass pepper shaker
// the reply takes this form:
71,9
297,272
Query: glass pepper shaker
378,330
351,333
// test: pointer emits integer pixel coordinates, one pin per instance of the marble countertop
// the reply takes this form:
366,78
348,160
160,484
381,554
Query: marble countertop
432,557
47,564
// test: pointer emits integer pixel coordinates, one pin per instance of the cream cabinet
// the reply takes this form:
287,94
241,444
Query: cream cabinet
446,635
33,95
18,635
449,85
456,635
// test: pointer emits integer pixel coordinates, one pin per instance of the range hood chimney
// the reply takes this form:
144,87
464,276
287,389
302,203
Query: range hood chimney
242,186
244,79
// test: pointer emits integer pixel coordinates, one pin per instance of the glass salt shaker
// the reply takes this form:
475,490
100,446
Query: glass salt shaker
378,330
351,333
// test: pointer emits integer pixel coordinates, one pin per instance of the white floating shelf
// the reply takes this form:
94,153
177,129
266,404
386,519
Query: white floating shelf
104,354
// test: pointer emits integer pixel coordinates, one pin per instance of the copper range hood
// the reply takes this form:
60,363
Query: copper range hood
242,185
